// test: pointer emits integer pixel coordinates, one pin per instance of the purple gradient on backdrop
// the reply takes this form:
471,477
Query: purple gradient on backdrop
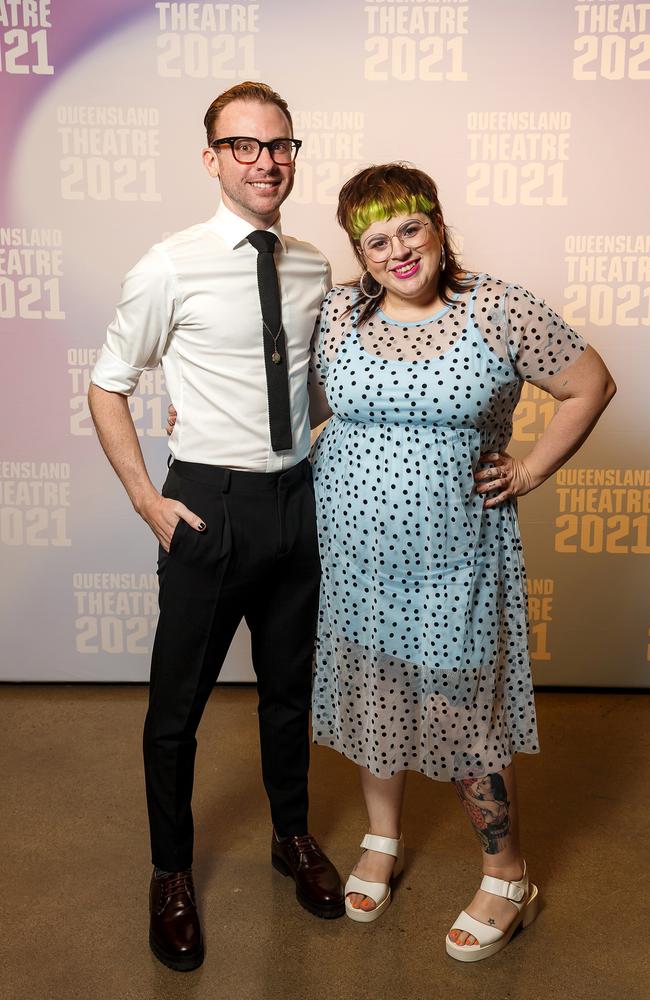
75,28
532,50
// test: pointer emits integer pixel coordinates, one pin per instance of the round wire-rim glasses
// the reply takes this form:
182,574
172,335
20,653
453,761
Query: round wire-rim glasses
412,234
247,149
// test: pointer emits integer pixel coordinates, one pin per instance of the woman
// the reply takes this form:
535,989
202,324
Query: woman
422,659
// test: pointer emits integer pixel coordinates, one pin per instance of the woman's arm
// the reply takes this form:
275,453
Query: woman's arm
319,408
584,389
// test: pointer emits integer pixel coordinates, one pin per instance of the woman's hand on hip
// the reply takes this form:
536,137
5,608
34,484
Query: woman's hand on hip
505,477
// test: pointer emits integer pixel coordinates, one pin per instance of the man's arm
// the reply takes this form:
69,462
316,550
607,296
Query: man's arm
117,435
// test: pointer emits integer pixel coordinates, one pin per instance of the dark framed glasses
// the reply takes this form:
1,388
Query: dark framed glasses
246,149
413,234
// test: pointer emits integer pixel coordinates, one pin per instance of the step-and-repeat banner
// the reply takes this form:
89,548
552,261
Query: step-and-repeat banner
532,118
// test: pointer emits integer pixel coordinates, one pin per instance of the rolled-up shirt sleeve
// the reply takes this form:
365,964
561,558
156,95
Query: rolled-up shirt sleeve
139,331
326,282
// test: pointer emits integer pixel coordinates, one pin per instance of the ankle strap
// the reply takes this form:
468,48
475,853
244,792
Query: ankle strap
514,891
385,845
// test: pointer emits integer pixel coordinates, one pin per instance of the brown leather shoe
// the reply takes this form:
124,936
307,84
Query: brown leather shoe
175,931
318,886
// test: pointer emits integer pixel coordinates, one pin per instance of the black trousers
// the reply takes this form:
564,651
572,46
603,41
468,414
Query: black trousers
257,559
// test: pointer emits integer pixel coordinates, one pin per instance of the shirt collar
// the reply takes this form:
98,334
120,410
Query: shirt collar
234,230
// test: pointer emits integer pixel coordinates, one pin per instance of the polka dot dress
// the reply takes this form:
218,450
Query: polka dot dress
422,653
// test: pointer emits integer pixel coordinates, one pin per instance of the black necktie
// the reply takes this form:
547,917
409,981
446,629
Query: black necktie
275,343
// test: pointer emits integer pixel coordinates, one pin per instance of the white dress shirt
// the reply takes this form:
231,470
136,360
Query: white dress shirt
192,303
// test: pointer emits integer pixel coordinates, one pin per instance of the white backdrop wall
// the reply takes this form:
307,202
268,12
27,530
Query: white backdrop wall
531,116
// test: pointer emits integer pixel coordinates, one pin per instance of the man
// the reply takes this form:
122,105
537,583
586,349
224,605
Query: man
236,518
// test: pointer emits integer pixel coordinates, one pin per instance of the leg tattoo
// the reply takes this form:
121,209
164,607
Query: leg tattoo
485,801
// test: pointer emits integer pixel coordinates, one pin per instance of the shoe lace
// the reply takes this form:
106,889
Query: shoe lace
178,882
308,848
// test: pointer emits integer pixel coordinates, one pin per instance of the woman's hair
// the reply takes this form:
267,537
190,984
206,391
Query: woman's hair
246,91
381,192
498,790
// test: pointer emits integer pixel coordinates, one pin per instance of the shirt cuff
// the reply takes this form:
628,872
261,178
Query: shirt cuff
114,374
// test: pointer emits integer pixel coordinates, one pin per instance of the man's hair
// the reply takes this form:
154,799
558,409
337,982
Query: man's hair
259,92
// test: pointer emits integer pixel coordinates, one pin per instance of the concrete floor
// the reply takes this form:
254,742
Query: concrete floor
74,888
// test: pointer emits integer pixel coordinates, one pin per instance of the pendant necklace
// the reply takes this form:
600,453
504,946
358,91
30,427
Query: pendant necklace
276,357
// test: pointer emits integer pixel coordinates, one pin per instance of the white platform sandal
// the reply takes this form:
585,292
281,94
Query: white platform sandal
490,939
379,892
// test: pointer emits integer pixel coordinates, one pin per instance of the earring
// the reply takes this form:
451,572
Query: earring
367,294
443,257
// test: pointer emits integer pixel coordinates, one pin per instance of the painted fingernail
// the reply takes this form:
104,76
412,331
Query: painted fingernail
201,526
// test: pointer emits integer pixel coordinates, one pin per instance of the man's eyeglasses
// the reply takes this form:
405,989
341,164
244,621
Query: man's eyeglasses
247,150
379,247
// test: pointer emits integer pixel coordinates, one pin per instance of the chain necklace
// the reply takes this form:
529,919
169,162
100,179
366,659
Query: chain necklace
276,357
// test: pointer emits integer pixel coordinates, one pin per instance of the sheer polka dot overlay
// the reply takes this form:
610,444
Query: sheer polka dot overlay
422,653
